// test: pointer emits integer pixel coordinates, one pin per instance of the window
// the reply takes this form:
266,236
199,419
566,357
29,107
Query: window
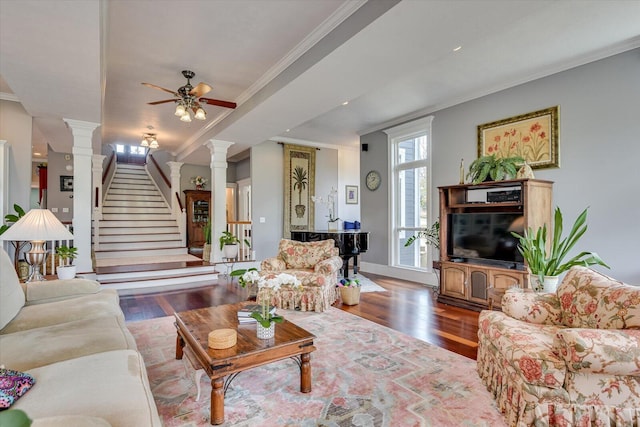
410,147
137,151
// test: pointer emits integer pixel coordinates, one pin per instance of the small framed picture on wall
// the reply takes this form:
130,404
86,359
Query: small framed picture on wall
351,192
66,183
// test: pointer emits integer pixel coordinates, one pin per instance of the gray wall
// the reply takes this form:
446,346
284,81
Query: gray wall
267,195
374,204
599,140
58,201
15,128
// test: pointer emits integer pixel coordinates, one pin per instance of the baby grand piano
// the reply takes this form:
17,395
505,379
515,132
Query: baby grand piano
350,243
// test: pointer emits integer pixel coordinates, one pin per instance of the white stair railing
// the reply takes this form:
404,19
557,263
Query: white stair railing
242,230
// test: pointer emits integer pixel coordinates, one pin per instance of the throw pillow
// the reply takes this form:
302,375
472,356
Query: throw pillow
13,384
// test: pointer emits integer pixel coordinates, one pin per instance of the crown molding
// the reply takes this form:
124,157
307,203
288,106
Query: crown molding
8,97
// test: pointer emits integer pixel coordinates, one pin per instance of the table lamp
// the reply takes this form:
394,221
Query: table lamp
38,226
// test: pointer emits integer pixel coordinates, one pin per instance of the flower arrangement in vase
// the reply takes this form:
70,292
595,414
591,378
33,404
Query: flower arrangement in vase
267,286
199,181
330,202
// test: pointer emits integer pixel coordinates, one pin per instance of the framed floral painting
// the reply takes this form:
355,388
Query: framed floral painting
533,136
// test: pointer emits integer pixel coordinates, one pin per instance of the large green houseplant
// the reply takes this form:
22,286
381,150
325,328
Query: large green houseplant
493,168
550,263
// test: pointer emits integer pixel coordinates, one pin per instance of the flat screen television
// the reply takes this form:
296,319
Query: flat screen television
485,236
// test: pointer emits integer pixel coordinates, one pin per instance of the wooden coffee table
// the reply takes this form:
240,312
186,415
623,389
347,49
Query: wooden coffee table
193,331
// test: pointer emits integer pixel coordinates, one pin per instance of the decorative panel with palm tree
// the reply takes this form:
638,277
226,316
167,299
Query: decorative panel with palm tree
299,176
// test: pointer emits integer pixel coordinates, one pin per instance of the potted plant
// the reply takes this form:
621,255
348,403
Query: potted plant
493,168
10,219
545,265
431,235
229,244
66,256
206,250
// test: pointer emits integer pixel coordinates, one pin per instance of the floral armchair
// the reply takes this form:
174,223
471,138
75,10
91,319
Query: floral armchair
570,358
315,264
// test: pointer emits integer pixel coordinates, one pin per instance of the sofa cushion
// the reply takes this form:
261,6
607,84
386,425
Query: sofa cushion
70,421
11,294
532,307
112,385
527,346
57,290
92,306
304,254
605,351
592,300
13,384
51,344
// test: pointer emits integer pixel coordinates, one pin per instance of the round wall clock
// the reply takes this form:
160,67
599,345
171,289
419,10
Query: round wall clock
373,180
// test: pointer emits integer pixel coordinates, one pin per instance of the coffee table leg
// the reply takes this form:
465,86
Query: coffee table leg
179,346
305,373
217,401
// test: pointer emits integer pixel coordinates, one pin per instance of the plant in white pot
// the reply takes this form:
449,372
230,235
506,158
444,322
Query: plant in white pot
206,250
229,244
546,265
66,256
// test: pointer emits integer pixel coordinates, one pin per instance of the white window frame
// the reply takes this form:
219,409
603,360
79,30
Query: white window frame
395,135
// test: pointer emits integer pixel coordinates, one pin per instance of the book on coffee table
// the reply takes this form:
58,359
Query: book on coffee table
245,312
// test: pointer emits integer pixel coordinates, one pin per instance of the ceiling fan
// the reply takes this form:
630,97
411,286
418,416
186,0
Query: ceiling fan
189,97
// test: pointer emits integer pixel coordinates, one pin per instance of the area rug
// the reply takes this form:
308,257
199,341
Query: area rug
363,374
366,284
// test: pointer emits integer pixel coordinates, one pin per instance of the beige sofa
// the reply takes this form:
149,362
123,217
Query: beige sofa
71,337
315,264
566,359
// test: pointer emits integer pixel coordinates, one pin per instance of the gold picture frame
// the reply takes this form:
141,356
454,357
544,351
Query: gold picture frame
533,136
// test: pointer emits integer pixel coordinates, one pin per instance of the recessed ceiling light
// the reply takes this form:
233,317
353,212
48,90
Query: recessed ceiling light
345,103
287,130
455,49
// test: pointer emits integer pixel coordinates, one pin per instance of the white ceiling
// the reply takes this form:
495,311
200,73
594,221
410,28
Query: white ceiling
289,64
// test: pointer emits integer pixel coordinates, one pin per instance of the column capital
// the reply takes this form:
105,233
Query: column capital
175,166
217,145
79,126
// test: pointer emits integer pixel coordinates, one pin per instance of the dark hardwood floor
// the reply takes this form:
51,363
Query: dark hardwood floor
407,307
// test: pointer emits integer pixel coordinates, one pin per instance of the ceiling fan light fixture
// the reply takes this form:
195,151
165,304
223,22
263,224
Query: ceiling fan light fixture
186,117
180,110
200,114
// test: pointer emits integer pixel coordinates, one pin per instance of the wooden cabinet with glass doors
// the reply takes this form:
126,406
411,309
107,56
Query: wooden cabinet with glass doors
198,213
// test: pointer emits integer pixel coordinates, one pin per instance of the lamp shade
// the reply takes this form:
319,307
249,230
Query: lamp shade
37,224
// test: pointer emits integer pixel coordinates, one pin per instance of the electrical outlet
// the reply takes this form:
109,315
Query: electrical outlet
262,220
54,210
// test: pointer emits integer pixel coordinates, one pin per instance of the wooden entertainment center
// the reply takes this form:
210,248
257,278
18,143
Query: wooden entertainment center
465,280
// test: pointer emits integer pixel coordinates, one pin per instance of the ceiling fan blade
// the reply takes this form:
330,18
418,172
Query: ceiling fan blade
219,103
161,88
200,90
161,102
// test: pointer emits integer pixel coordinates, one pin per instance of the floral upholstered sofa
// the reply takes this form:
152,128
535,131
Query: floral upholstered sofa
315,264
568,359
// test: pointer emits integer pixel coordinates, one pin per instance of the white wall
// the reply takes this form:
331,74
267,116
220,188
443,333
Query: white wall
599,140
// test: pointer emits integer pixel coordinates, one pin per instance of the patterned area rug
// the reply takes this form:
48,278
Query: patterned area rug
363,374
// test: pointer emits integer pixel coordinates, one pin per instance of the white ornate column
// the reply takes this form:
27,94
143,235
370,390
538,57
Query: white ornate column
4,179
175,187
96,193
82,198
96,161
218,150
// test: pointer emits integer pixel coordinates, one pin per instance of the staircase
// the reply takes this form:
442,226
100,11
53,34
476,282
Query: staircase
140,247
